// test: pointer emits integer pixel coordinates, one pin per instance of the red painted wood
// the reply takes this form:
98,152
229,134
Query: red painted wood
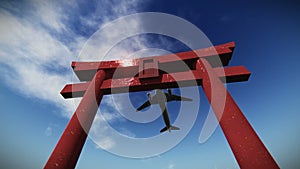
233,74
148,68
69,146
216,55
245,144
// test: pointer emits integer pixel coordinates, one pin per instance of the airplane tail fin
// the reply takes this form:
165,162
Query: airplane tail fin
169,128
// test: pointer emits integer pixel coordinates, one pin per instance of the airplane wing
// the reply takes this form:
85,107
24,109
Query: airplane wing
177,98
146,104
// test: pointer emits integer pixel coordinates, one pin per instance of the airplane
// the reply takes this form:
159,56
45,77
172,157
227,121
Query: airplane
161,98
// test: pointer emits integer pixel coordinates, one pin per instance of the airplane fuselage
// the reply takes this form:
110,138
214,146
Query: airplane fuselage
161,98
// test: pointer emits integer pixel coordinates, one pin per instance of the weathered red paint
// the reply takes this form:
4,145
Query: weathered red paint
245,144
217,56
69,146
120,85
148,68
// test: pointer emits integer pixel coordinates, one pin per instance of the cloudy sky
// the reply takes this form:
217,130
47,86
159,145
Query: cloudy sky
40,39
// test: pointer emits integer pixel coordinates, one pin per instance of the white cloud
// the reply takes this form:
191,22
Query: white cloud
105,143
100,134
51,129
36,50
34,59
48,131
28,51
50,13
171,165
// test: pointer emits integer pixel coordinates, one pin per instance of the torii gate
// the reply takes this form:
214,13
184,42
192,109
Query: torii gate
245,144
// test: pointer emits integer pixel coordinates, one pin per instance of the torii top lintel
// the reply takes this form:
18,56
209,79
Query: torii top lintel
215,55
137,75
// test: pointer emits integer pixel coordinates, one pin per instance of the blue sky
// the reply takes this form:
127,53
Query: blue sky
39,39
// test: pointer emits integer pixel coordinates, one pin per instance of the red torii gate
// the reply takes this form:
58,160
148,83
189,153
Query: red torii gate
203,66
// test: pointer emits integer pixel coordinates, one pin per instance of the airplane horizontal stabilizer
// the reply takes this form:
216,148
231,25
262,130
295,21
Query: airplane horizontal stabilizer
174,97
186,99
169,128
174,128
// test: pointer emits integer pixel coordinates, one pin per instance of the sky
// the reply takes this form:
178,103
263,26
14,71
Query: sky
40,39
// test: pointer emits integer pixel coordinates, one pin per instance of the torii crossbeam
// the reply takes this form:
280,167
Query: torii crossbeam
205,66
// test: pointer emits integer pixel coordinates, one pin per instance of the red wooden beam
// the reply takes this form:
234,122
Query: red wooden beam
69,146
132,84
217,56
245,144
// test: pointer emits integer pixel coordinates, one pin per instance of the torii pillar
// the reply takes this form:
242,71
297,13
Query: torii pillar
246,146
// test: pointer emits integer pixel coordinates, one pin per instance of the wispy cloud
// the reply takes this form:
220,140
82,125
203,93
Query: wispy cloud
50,130
50,14
171,165
100,134
39,39
34,62
38,45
